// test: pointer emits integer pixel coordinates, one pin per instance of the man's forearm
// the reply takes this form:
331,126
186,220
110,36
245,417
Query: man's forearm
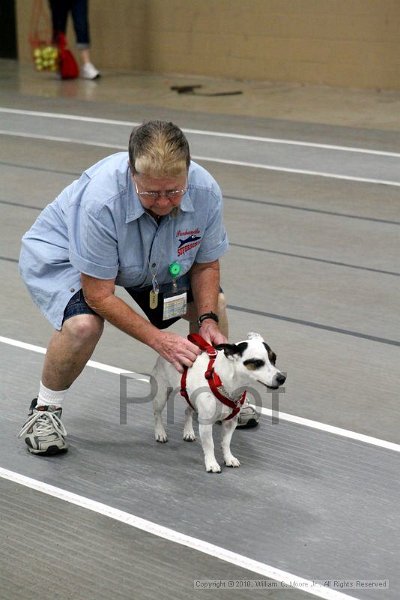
179,351
117,312
205,283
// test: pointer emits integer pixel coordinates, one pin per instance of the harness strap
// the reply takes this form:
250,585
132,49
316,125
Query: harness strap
183,388
212,377
195,338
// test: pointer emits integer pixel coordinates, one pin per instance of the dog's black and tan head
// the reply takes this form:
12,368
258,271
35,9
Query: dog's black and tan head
255,359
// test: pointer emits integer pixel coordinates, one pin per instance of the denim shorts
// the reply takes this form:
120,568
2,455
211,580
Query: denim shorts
78,305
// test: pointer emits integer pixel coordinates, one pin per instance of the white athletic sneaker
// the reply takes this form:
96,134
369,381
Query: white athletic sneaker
248,417
44,432
89,71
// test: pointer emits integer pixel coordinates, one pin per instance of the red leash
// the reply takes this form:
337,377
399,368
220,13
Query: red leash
212,377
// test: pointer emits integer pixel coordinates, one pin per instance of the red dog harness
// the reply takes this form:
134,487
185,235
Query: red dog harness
212,377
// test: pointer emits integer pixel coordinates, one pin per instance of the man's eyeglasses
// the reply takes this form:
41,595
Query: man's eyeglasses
170,194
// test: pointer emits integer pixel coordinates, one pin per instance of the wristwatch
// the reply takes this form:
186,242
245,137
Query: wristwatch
209,315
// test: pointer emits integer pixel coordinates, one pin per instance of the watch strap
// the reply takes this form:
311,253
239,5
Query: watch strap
208,315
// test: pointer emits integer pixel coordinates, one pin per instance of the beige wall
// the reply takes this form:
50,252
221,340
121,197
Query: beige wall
351,43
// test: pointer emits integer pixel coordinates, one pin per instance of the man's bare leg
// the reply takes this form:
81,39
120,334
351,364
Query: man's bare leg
69,350
67,354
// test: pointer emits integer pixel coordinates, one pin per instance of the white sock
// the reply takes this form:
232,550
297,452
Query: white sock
46,396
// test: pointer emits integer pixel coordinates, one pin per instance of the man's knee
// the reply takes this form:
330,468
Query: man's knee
84,328
221,309
222,314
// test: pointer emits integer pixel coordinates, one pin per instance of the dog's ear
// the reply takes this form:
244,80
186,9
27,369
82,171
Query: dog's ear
271,354
231,349
252,335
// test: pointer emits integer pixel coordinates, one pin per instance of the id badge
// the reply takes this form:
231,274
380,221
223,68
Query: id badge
174,305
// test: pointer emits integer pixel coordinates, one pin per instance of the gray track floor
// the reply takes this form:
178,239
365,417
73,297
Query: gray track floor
313,266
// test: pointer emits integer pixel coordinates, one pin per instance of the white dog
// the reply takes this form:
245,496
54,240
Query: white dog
224,371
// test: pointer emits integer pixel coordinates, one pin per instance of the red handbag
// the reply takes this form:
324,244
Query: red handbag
68,66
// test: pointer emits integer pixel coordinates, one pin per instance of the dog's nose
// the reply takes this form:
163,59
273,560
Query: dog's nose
280,378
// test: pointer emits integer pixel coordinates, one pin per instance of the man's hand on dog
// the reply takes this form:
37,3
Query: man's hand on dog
177,350
210,331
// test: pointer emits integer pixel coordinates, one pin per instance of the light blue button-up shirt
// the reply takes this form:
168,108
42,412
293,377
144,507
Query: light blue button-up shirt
99,227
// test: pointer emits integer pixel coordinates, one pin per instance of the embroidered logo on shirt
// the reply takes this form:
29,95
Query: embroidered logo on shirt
187,240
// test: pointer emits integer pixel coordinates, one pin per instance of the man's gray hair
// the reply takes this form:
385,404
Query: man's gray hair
159,149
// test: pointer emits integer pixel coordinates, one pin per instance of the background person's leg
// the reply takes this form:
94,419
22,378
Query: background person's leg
59,16
79,10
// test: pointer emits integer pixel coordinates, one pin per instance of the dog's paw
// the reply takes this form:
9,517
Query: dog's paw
189,436
232,461
161,436
213,467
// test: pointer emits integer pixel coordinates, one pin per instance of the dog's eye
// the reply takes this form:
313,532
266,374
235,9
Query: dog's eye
253,364
272,357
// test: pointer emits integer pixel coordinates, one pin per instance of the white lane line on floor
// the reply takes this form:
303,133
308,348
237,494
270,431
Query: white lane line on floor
171,535
359,437
55,138
237,136
90,363
238,163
